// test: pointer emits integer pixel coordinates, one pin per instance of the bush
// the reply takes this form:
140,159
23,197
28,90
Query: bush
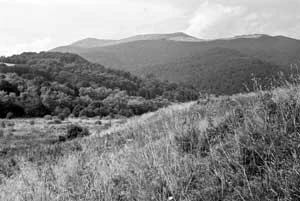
10,124
75,131
48,117
61,138
32,122
9,115
107,125
98,122
3,124
1,133
61,116
8,167
55,121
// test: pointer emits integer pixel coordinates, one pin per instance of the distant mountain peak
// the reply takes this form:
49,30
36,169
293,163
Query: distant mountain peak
94,42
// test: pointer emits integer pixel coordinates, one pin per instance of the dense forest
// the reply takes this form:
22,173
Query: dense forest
64,84
220,71
221,66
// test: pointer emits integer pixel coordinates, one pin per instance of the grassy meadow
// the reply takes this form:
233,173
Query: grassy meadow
241,147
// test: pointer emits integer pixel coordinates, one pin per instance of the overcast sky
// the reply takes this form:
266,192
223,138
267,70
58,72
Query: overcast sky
36,25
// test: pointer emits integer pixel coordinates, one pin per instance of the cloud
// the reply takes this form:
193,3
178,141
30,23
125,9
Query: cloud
26,22
212,19
66,21
215,19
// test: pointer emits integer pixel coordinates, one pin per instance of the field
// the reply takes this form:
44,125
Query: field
24,133
28,138
242,147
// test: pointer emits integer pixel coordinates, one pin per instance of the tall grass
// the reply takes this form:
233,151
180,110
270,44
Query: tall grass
244,147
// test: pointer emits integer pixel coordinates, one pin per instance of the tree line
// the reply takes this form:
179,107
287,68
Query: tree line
65,84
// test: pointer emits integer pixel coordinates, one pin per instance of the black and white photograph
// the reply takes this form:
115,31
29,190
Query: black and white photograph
149,100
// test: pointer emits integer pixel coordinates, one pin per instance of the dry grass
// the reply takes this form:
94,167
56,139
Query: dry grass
242,147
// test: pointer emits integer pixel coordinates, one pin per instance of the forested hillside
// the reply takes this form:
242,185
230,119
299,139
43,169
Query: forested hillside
221,66
63,84
219,71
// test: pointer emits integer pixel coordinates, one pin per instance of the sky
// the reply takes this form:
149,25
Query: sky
40,25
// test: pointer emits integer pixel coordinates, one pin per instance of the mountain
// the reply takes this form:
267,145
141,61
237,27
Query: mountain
192,61
217,71
93,42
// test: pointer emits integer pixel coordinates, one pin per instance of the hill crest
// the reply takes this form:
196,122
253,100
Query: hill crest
94,42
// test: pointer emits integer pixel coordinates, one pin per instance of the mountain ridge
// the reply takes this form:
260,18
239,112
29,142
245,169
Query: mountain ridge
95,42
92,42
189,62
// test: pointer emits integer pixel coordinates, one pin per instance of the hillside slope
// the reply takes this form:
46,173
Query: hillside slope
217,71
91,42
243,147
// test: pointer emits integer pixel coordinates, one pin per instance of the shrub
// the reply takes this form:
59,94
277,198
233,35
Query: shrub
8,167
87,112
66,112
71,116
83,117
61,116
1,133
10,124
55,121
48,117
61,138
76,111
107,125
3,124
9,115
75,131
32,122
98,122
